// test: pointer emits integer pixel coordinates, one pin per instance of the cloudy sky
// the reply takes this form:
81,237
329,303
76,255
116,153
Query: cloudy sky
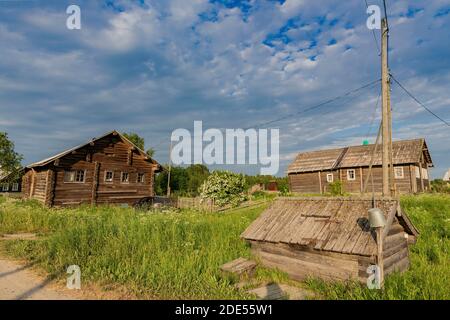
153,66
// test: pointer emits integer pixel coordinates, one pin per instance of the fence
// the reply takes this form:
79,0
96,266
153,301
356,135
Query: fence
196,203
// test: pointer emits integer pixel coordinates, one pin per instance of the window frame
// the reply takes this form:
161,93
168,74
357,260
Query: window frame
332,177
140,174
15,187
402,175
5,187
348,174
128,177
106,174
75,172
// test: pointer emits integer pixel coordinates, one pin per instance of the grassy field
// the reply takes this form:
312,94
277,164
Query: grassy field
177,255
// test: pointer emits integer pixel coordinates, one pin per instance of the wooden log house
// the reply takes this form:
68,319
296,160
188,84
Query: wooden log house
105,170
8,185
330,238
312,172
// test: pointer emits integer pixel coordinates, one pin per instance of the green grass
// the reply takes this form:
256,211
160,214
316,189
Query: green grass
171,255
177,255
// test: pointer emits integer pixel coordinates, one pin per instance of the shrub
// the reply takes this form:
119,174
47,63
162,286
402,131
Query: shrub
336,188
224,187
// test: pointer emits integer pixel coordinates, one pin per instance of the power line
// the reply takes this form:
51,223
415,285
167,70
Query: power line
418,102
315,106
374,114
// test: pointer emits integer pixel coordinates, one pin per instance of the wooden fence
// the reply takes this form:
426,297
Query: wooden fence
196,203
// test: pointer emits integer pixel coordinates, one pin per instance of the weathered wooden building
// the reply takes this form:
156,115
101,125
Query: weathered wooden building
312,172
330,238
105,170
8,185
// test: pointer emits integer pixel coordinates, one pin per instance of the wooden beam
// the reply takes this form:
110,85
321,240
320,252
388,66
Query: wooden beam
361,179
320,183
94,189
50,187
33,178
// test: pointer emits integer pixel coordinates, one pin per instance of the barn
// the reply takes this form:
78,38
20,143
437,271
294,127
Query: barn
330,238
313,172
105,170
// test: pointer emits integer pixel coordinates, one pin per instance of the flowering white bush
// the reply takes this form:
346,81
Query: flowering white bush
224,187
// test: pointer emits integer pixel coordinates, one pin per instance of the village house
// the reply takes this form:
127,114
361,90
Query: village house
313,172
105,170
9,186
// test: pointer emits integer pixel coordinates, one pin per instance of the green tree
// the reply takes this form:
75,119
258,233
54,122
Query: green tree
139,142
10,161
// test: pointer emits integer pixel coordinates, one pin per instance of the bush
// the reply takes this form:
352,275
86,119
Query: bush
336,188
224,187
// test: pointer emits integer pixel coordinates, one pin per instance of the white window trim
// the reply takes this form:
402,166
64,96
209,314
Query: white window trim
332,177
399,176
112,177
137,177
5,187
348,175
84,176
121,177
15,186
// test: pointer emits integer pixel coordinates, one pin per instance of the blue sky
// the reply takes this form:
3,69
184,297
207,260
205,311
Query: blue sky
154,66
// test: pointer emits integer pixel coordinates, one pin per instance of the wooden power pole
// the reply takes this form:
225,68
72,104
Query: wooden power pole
170,168
386,111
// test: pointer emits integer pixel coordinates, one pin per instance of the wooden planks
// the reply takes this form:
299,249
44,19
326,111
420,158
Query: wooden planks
239,266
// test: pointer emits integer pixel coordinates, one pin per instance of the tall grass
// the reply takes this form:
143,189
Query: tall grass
174,255
177,255
429,273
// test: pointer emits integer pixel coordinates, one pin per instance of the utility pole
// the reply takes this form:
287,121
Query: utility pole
170,168
386,109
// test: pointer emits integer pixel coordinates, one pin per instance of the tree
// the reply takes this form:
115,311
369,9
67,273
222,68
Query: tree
10,161
139,142
224,187
136,139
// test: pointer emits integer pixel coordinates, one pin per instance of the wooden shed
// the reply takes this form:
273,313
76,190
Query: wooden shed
105,170
314,171
329,238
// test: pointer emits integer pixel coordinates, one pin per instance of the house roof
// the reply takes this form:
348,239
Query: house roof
328,224
68,151
403,152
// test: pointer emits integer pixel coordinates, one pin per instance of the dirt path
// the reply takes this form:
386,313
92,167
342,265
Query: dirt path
18,282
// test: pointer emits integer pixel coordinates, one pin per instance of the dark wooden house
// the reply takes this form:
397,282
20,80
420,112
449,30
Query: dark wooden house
9,185
330,238
105,170
312,172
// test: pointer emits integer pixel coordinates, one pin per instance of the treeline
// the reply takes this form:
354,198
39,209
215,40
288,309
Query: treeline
185,181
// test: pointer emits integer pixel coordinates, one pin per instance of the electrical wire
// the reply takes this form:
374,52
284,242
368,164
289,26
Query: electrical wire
418,102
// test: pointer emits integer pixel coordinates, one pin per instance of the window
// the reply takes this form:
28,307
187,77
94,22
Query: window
125,177
141,178
329,177
5,187
76,176
15,186
351,175
398,173
109,176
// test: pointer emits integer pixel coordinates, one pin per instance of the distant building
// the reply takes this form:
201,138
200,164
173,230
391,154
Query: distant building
9,186
313,172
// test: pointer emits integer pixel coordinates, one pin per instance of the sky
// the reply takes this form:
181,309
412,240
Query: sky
151,67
